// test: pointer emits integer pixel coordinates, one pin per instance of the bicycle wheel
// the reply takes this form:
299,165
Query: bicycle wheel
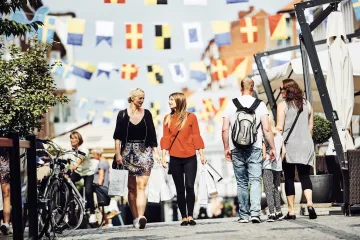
74,214
60,202
46,223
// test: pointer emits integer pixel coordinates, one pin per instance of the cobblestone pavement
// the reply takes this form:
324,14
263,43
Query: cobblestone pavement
325,227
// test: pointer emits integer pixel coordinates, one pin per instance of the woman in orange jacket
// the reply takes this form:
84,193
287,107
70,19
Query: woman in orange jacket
181,138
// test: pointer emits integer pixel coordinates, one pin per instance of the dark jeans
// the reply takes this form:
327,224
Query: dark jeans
304,176
178,168
88,184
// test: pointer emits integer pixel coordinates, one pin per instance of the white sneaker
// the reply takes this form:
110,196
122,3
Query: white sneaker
6,229
242,220
92,218
142,222
136,223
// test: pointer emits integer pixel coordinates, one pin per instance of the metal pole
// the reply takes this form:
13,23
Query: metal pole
331,115
15,188
306,72
32,188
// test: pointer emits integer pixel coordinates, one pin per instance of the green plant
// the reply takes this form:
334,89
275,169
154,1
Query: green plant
322,130
27,89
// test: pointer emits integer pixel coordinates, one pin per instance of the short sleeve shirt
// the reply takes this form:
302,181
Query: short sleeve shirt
246,101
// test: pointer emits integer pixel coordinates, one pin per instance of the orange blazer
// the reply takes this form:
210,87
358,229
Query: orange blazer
188,139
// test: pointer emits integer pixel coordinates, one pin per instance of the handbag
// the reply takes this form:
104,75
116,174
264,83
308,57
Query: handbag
217,177
102,196
283,149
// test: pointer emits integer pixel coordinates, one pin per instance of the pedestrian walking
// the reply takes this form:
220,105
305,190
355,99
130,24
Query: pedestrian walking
246,120
181,139
136,148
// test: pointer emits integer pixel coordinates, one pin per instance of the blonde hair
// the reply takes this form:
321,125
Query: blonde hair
180,100
98,151
133,93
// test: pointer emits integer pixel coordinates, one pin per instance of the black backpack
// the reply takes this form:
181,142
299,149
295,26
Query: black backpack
244,129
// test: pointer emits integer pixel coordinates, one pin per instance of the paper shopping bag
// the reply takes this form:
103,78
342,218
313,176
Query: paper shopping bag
118,182
154,184
210,184
203,194
166,190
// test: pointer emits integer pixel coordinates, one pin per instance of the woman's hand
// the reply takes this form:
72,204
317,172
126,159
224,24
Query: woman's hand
119,159
202,159
164,163
157,157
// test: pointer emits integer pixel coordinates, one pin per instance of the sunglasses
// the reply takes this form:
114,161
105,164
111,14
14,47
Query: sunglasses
282,88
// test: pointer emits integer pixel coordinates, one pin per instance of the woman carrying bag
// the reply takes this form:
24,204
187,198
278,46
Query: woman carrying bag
181,138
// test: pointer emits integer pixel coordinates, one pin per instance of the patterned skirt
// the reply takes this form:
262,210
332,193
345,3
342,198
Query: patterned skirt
138,158
4,166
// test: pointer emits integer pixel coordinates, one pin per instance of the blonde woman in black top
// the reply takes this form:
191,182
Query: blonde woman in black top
136,149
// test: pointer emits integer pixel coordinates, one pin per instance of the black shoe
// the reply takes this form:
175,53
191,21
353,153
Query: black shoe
255,219
279,216
184,223
192,223
142,222
289,217
271,218
312,213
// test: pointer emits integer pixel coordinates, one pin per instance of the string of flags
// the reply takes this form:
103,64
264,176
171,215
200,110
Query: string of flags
165,2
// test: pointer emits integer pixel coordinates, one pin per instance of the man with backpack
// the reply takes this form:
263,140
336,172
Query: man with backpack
246,120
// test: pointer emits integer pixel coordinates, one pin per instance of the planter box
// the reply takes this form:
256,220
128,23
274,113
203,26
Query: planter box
322,188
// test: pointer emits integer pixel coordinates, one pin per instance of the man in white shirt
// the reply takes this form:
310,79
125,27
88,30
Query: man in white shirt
247,162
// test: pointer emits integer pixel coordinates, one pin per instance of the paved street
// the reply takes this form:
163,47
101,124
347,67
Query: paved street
325,227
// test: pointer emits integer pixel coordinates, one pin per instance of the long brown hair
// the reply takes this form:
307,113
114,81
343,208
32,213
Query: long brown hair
180,112
294,94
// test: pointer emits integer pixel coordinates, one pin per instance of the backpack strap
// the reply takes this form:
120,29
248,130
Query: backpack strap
255,104
237,104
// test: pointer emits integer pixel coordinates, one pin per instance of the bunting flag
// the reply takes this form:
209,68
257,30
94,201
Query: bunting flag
356,6
83,102
221,29
106,68
223,101
104,32
155,2
219,70
129,71
47,31
198,71
62,69
163,36
76,29
115,1
155,74
118,105
277,25
107,116
191,106
195,2
193,35
204,115
209,105
155,112
248,30
83,69
178,72
100,101
236,1
134,35
91,115
240,67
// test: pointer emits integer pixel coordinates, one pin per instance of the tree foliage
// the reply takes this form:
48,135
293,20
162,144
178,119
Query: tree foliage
322,130
27,89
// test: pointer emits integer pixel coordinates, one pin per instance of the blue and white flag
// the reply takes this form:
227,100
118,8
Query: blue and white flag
104,32
198,71
100,101
193,35
178,72
61,68
236,1
83,102
107,116
104,67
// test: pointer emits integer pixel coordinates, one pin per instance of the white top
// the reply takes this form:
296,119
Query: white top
246,101
277,164
86,167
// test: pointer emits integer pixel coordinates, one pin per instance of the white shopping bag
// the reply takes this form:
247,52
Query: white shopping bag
154,184
217,177
118,182
203,194
167,192
210,184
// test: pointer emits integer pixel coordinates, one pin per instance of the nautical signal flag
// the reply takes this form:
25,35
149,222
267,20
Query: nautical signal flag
47,31
91,115
115,1
107,116
198,71
163,36
277,25
155,74
221,30
178,72
104,67
236,1
195,2
248,30
240,67
76,29
219,70
83,102
104,32
134,35
155,2
129,71
61,69
193,35
356,6
155,112
100,101
83,69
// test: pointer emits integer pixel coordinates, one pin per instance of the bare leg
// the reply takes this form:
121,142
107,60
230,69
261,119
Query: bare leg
5,187
141,195
291,202
132,196
308,196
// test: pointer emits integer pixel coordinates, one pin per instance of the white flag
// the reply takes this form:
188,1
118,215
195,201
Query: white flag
178,72
104,32
195,2
193,35
105,67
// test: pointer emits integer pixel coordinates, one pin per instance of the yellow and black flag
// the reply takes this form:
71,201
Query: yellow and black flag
155,74
155,2
163,36
155,112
